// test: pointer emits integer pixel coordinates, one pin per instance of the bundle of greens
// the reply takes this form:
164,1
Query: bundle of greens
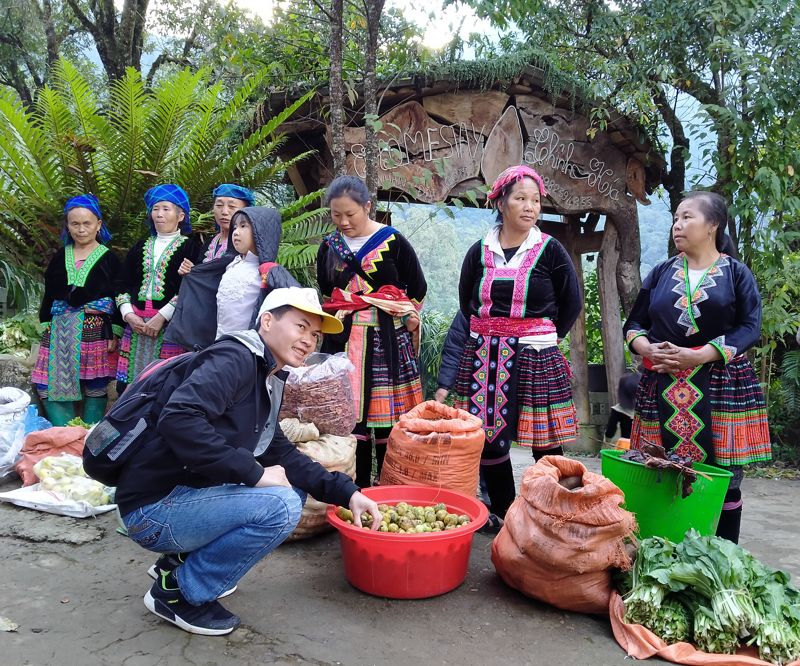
713,592
673,621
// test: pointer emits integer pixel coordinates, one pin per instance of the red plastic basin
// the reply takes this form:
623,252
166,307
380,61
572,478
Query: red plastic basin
410,566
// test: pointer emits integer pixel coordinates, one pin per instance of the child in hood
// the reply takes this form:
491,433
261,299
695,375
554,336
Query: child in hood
233,286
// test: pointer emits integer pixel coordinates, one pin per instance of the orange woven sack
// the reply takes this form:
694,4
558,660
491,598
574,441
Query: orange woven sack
49,442
557,545
435,445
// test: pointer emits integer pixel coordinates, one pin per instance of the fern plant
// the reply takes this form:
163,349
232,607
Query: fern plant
117,143
790,380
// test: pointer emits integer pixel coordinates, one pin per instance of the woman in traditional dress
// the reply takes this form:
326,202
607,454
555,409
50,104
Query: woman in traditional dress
695,316
77,355
370,273
519,292
228,198
149,282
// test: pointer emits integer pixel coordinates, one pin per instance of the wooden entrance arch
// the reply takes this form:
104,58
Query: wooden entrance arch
440,139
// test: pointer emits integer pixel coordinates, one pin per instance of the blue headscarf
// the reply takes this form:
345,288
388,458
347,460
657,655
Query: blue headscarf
236,192
174,194
90,203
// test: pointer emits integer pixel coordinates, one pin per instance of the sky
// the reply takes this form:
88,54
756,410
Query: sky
440,22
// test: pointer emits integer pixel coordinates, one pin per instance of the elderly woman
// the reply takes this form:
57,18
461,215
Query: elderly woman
519,292
77,355
149,282
228,198
695,316
370,273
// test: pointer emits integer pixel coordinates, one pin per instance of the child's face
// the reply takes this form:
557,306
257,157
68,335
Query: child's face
242,238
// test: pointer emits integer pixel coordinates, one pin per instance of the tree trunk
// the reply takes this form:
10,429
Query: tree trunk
337,89
674,180
629,279
119,45
373,10
45,12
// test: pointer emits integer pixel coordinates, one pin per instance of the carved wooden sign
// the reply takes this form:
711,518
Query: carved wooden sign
453,142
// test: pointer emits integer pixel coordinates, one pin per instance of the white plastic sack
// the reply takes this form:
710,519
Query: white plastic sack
13,407
33,497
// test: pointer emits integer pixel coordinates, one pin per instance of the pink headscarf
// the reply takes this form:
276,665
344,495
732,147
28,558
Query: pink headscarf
515,174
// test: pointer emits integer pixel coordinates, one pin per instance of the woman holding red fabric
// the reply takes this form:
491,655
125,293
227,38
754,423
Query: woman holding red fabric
519,293
370,273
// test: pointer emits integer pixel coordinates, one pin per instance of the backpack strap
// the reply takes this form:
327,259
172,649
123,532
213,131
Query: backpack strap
264,269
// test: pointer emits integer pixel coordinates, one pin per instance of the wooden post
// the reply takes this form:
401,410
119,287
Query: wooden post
611,327
577,335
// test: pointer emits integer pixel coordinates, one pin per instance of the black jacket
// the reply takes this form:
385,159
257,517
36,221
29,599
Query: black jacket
194,323
213,426
99,284
452,351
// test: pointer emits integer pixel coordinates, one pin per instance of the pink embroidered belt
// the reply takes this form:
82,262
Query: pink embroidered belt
147,312
506,327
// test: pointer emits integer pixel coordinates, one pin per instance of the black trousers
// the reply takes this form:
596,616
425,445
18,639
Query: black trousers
364,452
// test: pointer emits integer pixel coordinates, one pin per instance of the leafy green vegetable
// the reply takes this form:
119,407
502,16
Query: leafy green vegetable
18,333
673,621
78,421
656,555
715,593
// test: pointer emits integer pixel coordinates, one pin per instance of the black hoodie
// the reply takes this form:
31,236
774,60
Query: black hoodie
194,323
220,426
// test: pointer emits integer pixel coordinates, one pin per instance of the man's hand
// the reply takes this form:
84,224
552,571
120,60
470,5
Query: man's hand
441,394
154,325
185,267
274,476
360,503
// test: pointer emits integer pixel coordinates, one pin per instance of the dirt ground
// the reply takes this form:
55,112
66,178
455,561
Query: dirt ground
75,589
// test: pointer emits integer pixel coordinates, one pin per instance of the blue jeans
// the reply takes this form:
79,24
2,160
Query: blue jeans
225,529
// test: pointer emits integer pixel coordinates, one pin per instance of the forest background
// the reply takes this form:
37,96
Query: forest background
112,96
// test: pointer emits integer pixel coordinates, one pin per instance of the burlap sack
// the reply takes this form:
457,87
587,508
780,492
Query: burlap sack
435,445
50,442
336,454
558,545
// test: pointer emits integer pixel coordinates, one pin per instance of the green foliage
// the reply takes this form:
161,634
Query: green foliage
435,326
123,140
23,287
591,304
18,333
790,380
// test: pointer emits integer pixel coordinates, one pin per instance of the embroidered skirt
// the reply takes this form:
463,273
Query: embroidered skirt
739,428
136,351
380,398
53,376
522,396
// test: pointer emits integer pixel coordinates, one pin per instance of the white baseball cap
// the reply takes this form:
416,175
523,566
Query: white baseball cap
302,298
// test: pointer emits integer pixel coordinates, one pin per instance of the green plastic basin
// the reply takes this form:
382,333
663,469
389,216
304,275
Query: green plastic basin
655,496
